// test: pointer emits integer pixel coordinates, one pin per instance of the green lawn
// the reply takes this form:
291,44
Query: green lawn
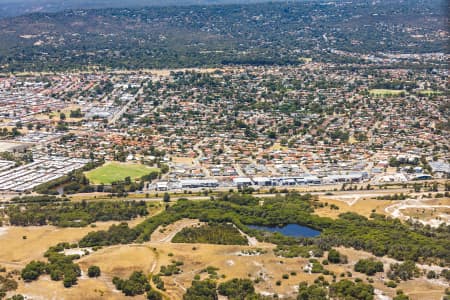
429,92
115,171
385,92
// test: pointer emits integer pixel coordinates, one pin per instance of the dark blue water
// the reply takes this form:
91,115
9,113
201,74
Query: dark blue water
293,230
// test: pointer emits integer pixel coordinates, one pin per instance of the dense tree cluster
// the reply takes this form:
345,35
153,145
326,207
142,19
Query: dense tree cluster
314,291
369,266
237,289
205,289
33,270
403,271
381,236
40,199
154,295
349,290
344,289
116,234
218,35
94,271
335,257
222,234
59,267
136,284
37,211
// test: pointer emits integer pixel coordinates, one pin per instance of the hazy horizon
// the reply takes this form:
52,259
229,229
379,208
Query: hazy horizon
11,8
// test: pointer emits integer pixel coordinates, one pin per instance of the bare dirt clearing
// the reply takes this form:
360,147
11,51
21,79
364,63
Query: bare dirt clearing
166,234
426,210
431,212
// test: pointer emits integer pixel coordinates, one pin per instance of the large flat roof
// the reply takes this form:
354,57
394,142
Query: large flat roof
6,145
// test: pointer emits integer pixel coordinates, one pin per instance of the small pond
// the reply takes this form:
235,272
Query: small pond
293,230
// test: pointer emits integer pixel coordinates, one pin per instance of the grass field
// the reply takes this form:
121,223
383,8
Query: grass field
385,92
278,147
429,92
115,171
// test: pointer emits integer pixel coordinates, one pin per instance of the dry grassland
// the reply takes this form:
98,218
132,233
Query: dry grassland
363,207
15,251
416,288
122,260
182,160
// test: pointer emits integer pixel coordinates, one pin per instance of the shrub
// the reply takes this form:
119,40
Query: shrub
391,284
403,271
154,295
94,271
205,289
335,257
237,288
136,284
369,266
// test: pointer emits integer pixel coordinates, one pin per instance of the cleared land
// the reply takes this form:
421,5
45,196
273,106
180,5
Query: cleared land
427,211
182,160
115,171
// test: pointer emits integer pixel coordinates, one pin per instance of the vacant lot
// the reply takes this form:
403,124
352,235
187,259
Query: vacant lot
115,171
182,160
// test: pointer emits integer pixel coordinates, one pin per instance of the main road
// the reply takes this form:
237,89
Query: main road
124,108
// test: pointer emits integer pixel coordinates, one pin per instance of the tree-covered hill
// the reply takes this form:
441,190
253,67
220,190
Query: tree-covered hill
11,8
190,36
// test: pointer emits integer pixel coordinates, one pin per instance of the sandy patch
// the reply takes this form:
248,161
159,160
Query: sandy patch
165,234
3,230
405,210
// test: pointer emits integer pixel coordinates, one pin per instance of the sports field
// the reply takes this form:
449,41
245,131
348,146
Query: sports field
429,92
385,92
116,171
